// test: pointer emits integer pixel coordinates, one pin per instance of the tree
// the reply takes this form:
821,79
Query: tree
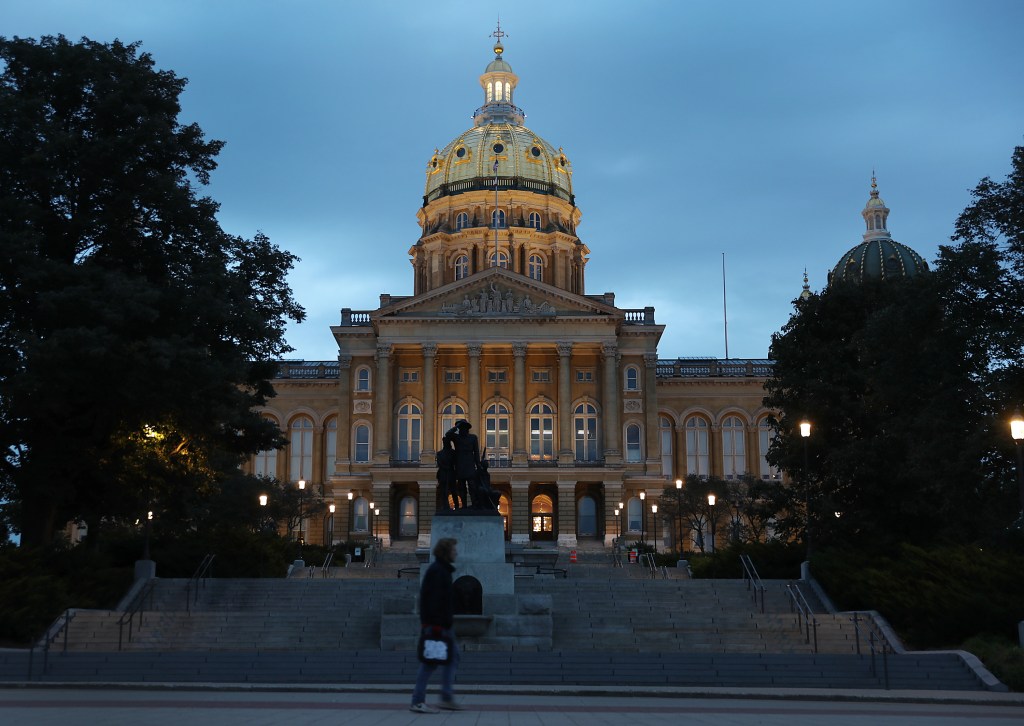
879,370
136,336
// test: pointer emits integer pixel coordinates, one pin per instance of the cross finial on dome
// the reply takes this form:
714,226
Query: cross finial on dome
807,288
874,184
499,34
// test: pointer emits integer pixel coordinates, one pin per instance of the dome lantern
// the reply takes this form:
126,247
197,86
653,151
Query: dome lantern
875,214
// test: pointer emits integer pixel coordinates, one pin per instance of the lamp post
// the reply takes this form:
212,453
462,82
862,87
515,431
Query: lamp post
148,526
654,516
711,505
805,433
643,517
616,524
329,526
736,521
1017,432
376,513
348,530
263,518
679,515
302,493
373,520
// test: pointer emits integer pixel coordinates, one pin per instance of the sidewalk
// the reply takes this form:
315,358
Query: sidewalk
384,706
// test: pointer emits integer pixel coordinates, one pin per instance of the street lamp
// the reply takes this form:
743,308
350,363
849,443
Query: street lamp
679,515
654,513
1017,432
373,519
149,521
805,433
376,513
302,493
616,524
711,505
329,526
643,517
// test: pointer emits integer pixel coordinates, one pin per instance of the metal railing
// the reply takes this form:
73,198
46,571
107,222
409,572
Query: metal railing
325,568
63,625
877,645
753,580
199,578
805,615
136,607
646,560
376,544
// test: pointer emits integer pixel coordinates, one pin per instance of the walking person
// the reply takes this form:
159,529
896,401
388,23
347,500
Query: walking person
437,613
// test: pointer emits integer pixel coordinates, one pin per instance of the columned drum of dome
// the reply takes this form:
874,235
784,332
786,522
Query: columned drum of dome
878,257
499,191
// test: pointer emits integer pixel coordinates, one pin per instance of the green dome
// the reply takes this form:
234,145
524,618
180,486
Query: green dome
878,259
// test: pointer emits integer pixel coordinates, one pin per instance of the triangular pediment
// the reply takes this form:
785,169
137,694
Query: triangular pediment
496,293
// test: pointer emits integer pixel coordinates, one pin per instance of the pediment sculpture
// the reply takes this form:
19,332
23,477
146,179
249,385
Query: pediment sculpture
492,300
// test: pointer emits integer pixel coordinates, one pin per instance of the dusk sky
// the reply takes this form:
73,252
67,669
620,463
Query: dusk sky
695,128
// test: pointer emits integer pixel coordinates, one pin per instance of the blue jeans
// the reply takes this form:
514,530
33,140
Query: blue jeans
419,693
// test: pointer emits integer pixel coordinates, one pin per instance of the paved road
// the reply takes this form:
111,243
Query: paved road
388,707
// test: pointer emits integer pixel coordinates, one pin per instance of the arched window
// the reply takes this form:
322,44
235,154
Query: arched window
504,509
502,260
497,91
265,462
542,432
586,517
632,374
408,438
508,92
665,437
362,444
878,221
534,220
697,446
408,525
634,514
734,457
585,425
360,515
451,413
536,268
490,91
765,436
330,446
461,267
461,221
300,446
633,453
498,219
496,428
363,379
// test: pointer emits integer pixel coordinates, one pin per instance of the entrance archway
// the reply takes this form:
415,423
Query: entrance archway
542,518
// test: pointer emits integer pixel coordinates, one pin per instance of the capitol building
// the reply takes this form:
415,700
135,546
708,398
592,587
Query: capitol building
578,410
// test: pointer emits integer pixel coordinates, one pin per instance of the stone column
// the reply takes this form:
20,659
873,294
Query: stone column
679,455
343,453
519,450
567,514
565,440
382,404
521,524
381,497
612,524
715,466
316,476
473,414
428,505
429,403
651,411
611,406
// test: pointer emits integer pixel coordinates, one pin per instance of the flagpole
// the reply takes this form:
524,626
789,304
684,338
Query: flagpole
725,311
495,215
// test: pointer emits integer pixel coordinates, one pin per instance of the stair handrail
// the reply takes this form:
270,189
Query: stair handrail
375,545
60,626
646,559
200,576
806,619
136,607
326,567
884,649
752,579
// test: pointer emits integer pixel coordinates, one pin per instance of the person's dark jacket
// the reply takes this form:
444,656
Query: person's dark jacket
437,597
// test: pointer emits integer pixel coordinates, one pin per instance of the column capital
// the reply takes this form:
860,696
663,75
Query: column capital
651,360
344,361
564,349
474,349
610,350
383,350
519,349
429,350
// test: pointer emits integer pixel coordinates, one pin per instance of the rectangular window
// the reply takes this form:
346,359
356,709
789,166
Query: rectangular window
453,376
541,375
410,376
499,375
584,376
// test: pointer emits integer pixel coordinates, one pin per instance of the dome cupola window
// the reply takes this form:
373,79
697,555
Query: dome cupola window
461,221
461,267
534,220
502,260
498,219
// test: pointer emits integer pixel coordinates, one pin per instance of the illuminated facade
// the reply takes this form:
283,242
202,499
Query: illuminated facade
567,392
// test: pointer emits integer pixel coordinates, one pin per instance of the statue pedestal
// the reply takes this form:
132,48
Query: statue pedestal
481,550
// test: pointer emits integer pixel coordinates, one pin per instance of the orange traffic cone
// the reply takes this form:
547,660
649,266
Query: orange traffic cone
572,555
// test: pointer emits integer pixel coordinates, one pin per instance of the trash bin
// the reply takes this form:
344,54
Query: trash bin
357,556
348,559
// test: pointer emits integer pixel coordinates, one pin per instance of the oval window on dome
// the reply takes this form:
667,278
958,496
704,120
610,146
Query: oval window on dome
535,151
460,152
498,148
